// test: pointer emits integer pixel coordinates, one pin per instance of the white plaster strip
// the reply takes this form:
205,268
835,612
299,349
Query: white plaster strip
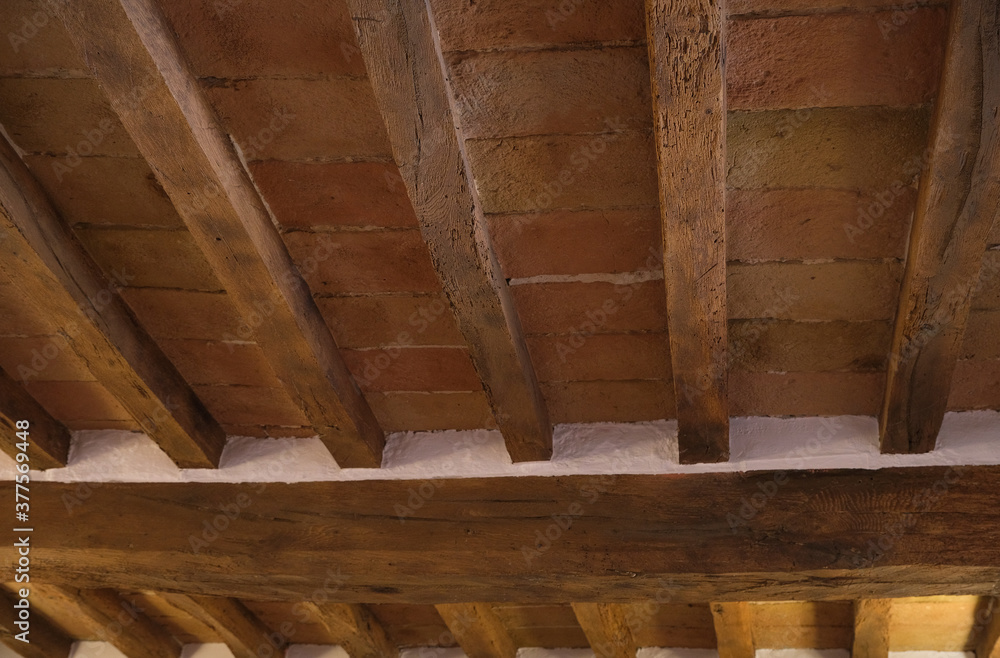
967,438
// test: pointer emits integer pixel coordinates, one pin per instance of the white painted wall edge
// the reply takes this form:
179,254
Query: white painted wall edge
967,438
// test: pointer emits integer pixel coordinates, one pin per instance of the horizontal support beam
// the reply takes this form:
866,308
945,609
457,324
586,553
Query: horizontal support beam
821,535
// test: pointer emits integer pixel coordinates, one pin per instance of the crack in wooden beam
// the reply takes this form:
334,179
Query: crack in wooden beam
957,202
53,272
685,42
406,70
133,55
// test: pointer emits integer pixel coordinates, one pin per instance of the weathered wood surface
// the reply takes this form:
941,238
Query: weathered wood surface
48,439
820,535
406,72
871,628
46,641
354,628
734,629
957,203
44,261
132,52
607,629
685,42
238,628
478,630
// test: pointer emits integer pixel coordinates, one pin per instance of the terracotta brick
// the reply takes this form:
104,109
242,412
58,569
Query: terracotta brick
975,385
987,293
413,369
18,317
600,357
899,12
307,194
301,119
845,290
365,261
78,401
805,393
578,171
106,190
416,412
67,117
578,241
611,402
250,405
500,94
238,39
186,314
834,60
866,148
781,345
587,308
487,24
385,320
982,336
215,363
36,41
150,258
42,358
817,223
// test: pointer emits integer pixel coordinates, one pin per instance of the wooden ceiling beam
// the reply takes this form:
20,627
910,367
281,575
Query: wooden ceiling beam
483,539
685,43
45,639
988,642
957,202
239,628
53,272
406,70
607,629
48,439
113,620
871,628
354,628
132,52
734,629
478,630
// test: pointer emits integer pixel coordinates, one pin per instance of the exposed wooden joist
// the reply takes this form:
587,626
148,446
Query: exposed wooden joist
48,438
988,642
685,42
478,630
607,630
407,74
114,620
734,629
44,260
957,202
871,628
132,53
46,641
354,628
820,537
241,631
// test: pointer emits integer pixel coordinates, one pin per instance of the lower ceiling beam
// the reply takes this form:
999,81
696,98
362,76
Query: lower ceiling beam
48,439
871,628
43,640
734,629
241,631
988,643
354,628
478,630
607,629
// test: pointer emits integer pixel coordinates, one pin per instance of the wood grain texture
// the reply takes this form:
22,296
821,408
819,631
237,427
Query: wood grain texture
685,42
51,269
48,438
988,642
355,628
46,641
404,64
480,539
112,619
478,630
957,202
132,53
607,629
734,629
241,631
871,628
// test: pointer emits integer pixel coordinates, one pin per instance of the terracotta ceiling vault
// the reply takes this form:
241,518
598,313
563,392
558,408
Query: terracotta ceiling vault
353,219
